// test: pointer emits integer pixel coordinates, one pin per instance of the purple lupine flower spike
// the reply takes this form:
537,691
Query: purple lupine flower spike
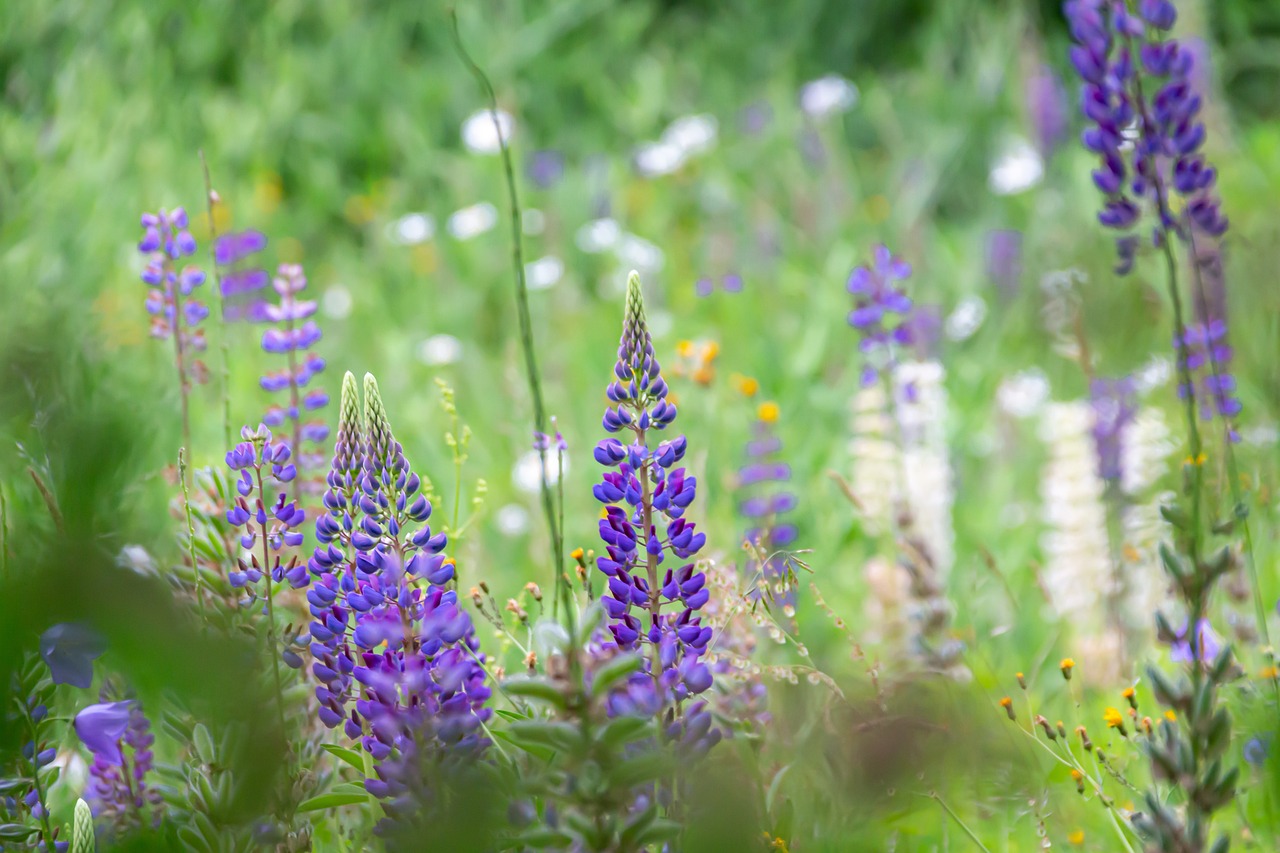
764,503
1138,82
119,736
882,310
175,312
270,521
397,659
646,498
1115,405
293,335
242,279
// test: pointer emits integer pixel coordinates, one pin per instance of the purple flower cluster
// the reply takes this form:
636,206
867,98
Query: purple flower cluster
242,280
1115,405
165,242
1206,356
264,466
729,283
646,498
119,736
765,500
882,311
295,333
1144,111
397,659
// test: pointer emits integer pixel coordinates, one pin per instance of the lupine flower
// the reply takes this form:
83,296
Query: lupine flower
118,734
1004,260
293,336
545,168
404,651
1136,77
1077,573
645,499
1208,644
740,695
1047,109
1114,403
269,519
175,313
881,310
242,280
1206,356
69,651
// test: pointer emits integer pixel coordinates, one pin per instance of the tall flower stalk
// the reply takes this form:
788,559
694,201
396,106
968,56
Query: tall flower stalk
176,314
1136,76
645,500
397,658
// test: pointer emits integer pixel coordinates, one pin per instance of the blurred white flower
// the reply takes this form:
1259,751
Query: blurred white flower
1153,374
1260,435
598,235
337,302
440,349
1024,393
1077,572
826,95
481,137
692,135
543,273
512,520
966,318
413,228
660,323
473,221
527,473
138,559
1018,168
653,159
927,488
638,253
533,221
876,462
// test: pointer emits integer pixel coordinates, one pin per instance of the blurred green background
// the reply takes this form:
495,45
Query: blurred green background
335,127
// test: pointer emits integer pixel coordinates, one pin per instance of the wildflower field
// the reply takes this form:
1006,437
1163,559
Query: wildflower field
659,425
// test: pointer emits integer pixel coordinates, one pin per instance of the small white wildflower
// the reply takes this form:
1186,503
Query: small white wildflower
413,228
827,95
472,221
337,302
966,318
654,159
1024,393
544,272
598,235
527,473
692,135
440,349
481,137
512,520
1018,168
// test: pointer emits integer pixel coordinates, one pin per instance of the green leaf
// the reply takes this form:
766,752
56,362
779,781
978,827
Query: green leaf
350,756
15,832
564,737
332,800
644,767
203,743
193,840
619,731
774,786
544,836
509,715
613,672
658,831
536,688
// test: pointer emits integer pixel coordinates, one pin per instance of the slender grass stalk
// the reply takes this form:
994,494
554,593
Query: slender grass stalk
191,532
223,346
973,836
49,500
522,312
4,537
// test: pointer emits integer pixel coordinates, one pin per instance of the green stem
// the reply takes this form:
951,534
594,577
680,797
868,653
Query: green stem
35,774
191,531
271,612
973,836
4,537
522,308
223,345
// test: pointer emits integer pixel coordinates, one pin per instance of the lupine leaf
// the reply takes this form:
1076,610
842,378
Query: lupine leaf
332,800
350,756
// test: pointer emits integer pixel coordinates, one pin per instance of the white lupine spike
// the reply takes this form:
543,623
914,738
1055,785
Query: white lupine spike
1077,571
928,490
876,462
1145,450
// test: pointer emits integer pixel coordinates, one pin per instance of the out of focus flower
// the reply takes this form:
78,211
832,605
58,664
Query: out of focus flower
1017,168
1004,261
544,272
512,520
1023,394
413,228
1047,109
440,349
927,491
242,278
545,168
1115,404
598,235
69,650
967,318
480,134
527,473
1206,356
176,313
470,222
1208,644
827,95
881,309
754,118
101,727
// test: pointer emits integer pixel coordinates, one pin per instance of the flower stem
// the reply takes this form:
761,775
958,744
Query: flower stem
223,346
271,609
191,531
522,311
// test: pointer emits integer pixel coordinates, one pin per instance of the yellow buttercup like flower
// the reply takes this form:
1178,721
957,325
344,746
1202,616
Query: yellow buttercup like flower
768,412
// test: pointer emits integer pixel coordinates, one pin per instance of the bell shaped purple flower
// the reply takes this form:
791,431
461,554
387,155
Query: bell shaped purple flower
69,650
101,727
